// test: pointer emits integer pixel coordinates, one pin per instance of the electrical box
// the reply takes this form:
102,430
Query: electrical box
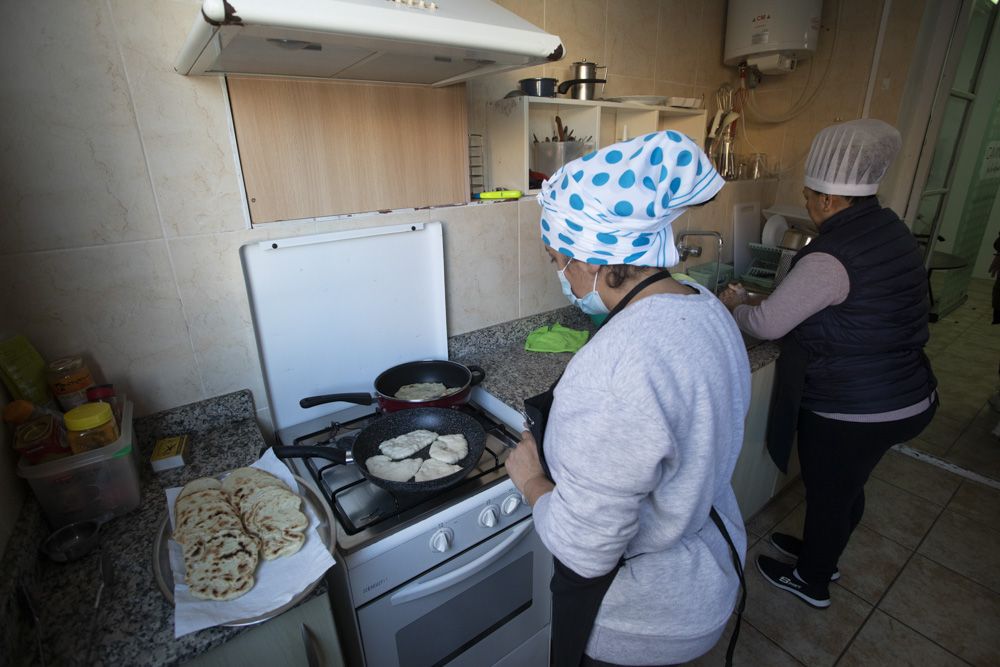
772,35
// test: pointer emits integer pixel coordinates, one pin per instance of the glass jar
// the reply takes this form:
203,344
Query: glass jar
105,393
90,426
69,378
41,440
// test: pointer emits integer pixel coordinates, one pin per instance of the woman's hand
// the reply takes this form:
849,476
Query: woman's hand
525,469
734,295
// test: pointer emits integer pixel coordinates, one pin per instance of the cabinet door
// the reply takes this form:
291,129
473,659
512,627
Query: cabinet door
279,641
755,474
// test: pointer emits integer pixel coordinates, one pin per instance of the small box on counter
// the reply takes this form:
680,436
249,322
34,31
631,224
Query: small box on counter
169,452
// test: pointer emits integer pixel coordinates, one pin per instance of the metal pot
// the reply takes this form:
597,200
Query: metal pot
538,87
795,239
583,89
449,373
584,80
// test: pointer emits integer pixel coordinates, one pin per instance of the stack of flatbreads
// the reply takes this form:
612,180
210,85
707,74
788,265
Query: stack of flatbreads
224,527
394,463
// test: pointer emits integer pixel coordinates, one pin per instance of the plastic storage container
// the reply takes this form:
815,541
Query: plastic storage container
99,484
548,156
704,273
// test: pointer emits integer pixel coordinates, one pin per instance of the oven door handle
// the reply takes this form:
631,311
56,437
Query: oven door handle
425,588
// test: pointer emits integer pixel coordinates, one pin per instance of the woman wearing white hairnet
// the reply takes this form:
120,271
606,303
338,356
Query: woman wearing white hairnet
852,376
645,425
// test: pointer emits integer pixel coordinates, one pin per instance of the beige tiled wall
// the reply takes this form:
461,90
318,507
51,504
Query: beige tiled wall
122,214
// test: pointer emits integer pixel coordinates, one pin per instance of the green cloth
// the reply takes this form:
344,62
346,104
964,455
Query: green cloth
555,338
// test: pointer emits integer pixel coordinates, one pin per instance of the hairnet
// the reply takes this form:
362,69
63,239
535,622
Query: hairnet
616,206
851,158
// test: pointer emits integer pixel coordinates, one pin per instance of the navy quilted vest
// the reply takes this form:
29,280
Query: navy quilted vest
866,354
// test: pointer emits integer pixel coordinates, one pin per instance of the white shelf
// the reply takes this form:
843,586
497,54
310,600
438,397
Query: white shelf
514,123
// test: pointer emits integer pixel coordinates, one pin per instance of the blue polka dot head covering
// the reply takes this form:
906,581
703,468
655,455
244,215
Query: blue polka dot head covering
616,206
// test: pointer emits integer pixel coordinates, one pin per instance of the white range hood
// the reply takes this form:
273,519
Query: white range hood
437,42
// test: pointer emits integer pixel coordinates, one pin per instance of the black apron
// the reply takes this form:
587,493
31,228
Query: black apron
576,599
789,383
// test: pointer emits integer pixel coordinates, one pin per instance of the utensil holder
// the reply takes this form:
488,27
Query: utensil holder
548,156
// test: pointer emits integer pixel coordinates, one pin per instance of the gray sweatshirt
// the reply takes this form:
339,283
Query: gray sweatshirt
643,436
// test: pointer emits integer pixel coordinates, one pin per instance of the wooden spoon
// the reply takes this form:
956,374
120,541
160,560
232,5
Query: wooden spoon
559,127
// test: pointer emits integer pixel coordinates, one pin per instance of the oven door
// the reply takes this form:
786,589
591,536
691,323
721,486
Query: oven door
473,610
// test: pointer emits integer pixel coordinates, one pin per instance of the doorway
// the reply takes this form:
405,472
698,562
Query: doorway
950,207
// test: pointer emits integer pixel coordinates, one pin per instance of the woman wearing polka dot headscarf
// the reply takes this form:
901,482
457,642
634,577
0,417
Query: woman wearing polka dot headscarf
645,424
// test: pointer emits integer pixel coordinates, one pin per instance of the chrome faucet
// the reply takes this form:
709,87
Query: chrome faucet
686,251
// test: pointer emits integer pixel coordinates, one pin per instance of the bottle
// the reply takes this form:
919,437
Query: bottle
90,426
69,378
105,393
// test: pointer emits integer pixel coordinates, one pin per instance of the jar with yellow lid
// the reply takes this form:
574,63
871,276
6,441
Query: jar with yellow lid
90,426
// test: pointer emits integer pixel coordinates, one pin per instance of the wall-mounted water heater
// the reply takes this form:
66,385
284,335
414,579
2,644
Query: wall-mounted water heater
771,35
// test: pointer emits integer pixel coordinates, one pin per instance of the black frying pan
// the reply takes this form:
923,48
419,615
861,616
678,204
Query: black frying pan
442,421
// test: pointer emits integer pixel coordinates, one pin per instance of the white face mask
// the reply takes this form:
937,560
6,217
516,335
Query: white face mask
591,304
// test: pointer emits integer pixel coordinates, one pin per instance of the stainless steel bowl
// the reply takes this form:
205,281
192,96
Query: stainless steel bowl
73,541
795,239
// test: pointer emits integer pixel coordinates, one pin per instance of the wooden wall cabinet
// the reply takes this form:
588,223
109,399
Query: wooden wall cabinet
311,149
514,123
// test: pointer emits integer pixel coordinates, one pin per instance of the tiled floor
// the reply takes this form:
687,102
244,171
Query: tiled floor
921,577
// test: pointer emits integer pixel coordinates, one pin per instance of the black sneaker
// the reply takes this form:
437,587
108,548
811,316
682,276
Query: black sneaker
792,547
783,576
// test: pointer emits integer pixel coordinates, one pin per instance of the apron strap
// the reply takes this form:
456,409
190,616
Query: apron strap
643,284
743,585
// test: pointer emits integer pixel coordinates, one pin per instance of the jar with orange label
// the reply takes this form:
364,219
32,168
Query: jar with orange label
69,378
90,426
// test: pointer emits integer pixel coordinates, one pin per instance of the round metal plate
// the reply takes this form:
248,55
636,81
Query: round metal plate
327,532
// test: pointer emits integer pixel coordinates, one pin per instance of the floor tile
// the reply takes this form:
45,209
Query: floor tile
752,648
885,641
978,502
777,509
977,450
897,514
947,608
986,418
968,547
918,477
815,637
941,434
868,565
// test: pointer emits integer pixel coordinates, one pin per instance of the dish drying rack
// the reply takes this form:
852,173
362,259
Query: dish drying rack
768,265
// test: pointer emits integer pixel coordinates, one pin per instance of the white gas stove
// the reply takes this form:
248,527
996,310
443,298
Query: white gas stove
455,577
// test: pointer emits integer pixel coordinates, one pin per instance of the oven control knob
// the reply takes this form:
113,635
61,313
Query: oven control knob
441,540
489,516
510,504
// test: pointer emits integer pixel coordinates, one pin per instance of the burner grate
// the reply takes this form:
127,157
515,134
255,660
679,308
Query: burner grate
357,503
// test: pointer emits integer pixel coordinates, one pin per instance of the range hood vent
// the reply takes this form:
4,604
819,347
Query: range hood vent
398,41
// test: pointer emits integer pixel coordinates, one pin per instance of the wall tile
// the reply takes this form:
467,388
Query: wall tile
119,305
73,172
631,45
539,289
626,85
480,260
219,319
581,25
712,37
183,121
677,42
532,11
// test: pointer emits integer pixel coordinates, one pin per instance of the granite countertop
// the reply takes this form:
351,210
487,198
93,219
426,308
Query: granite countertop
513,374
135,624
